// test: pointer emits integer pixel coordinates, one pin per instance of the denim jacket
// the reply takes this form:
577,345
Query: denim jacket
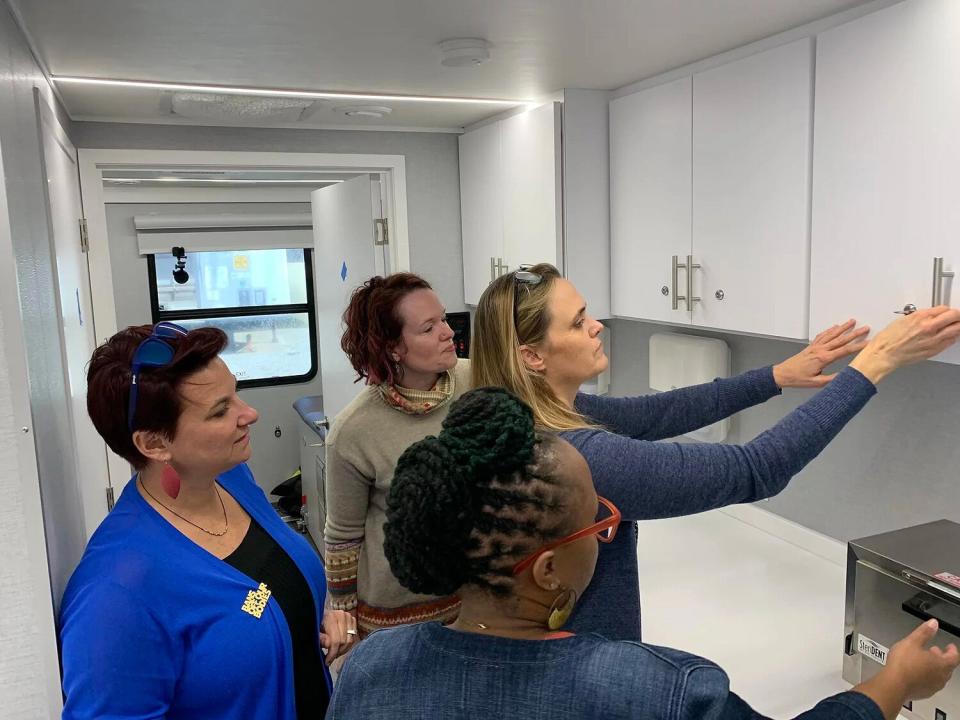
429,671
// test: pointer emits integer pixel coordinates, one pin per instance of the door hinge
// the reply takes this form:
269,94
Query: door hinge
381,233
109,498
84,236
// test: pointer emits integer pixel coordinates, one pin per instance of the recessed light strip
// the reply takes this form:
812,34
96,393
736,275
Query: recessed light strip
219,181
267,92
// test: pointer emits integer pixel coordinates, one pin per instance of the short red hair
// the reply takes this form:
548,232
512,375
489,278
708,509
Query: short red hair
374,327
158,396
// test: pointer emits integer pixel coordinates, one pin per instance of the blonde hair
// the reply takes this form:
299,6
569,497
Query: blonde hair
495,358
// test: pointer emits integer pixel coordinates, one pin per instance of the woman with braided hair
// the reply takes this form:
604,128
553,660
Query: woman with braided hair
399,342
533,336
506,517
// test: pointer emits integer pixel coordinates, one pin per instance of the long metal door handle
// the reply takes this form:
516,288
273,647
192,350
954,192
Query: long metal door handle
938,276
493,269
675,268
690,268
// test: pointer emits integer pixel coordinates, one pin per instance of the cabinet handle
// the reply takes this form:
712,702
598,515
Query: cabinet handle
690,268
938,276
908,309
493,269
675,268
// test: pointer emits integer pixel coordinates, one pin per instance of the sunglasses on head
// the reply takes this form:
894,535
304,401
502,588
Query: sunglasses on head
154,352
522,277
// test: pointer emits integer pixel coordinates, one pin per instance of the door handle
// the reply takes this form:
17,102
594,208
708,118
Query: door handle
676,266
690,268
493,269
938,276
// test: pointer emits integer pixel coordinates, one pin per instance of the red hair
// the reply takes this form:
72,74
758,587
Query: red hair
159,403
373,326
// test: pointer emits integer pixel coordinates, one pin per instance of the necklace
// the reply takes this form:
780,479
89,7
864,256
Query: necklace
226,523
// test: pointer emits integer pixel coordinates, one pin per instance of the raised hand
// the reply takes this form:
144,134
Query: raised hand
805,369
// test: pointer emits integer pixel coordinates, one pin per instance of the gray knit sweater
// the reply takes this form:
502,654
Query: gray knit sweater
364,444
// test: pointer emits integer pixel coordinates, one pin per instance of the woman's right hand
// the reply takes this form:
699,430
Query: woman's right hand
907,340
913,672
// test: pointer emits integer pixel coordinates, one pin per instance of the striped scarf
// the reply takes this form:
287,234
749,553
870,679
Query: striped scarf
419,402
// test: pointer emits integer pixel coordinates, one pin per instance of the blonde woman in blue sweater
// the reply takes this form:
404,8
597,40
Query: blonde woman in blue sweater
534,336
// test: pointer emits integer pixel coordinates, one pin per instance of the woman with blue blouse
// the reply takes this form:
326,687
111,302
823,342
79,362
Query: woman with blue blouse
193,599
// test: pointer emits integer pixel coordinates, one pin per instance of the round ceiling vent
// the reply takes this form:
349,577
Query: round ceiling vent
364,111
464,52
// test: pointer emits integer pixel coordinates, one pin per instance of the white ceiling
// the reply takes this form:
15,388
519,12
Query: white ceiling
538,47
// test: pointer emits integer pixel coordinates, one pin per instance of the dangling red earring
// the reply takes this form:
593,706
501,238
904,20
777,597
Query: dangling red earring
170,481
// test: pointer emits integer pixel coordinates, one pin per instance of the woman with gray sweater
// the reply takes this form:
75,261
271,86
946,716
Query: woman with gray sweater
400,344
533,336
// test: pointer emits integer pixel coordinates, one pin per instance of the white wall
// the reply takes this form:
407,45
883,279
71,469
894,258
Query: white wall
32,395
432,168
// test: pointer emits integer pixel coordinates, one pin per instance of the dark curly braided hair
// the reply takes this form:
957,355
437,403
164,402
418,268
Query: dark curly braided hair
466,506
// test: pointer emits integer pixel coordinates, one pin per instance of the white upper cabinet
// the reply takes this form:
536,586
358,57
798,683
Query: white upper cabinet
751,192
531,187
517,206
650,184
887,165
713,172
510,196
481,212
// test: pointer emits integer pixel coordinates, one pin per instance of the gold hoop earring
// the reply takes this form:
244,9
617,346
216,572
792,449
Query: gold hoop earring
561,609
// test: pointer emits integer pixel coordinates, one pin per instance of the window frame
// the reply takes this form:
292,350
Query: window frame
309,307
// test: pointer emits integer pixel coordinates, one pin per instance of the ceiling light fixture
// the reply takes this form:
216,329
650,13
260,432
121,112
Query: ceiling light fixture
217,181
268,92
464,52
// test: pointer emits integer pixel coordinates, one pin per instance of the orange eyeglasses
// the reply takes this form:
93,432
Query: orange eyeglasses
605,530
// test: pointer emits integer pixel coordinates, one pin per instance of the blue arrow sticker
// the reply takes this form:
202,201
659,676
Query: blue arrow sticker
343,272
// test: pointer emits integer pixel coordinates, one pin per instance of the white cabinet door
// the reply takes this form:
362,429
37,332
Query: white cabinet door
481,208
531,182
751,180
650,191
886,164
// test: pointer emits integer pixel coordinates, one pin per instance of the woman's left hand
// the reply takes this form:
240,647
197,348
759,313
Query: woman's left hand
805,369
338,634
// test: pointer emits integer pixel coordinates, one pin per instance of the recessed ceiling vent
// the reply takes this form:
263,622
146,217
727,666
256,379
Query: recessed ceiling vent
364,111
239,108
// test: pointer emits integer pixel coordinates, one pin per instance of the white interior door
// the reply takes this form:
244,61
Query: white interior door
76,320
345,255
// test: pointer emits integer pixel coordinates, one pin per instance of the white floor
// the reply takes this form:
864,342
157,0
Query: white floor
765,610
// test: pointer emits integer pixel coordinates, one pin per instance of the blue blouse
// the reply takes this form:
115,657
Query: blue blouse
154,626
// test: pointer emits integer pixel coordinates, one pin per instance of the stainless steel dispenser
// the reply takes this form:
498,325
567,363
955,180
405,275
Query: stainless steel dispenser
896,580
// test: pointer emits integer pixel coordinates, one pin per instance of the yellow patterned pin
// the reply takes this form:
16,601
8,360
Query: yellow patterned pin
256,601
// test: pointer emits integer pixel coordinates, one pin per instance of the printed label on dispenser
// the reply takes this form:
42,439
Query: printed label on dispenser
873,650
949,578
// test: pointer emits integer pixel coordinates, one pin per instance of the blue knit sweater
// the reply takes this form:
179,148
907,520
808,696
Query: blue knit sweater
647,480
153,625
